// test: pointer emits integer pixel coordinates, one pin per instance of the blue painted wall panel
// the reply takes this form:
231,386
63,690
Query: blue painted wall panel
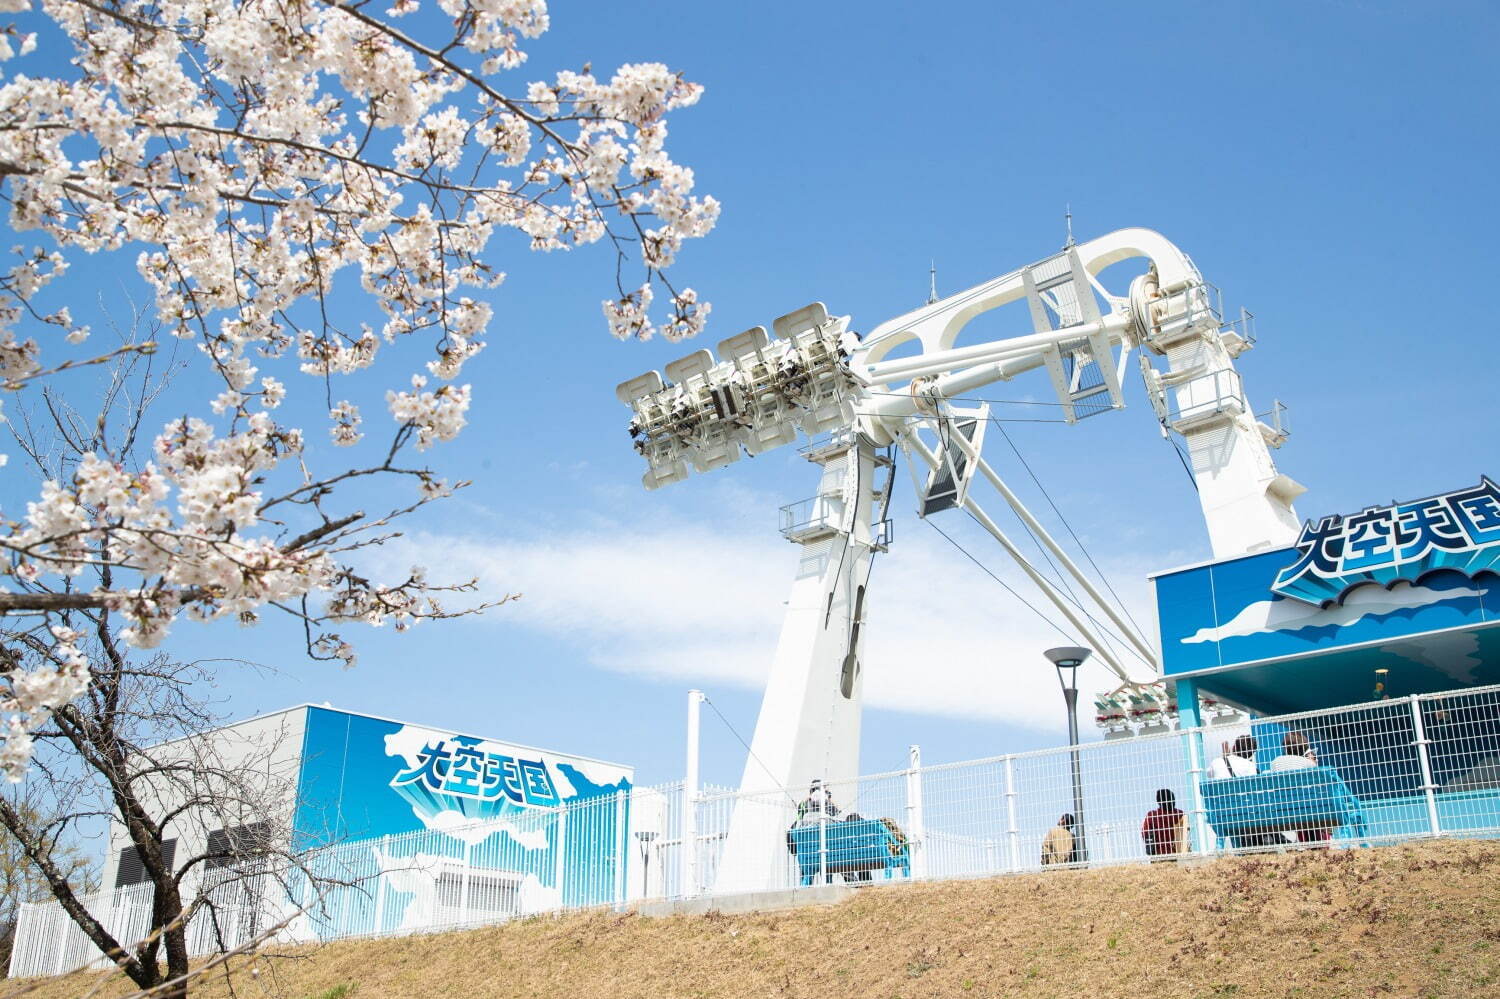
553,827
1225,613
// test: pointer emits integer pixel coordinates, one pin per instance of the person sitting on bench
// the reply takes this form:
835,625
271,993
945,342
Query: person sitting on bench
817,806
1236,762
1298,754
1239,761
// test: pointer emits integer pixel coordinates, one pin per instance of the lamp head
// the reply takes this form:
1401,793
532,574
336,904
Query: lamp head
1068,656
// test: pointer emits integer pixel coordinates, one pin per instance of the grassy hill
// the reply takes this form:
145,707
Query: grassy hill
1412,921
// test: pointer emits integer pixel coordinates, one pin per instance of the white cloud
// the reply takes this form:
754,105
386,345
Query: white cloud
669,598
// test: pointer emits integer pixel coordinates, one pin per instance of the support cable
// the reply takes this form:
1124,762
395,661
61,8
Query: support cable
1104,629
967,398
1071,533
1108,634
919,417
748,750
1045,585
1183,458
1008,588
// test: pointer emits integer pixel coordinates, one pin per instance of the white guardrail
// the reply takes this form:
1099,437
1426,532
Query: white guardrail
1385,771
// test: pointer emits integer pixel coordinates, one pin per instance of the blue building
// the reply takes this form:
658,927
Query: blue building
438,826
1387,602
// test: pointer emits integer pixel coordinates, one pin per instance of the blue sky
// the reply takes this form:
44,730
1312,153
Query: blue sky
1329,165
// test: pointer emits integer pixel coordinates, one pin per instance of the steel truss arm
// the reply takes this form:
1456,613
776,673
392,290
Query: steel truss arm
915,445
1040,532
1168,312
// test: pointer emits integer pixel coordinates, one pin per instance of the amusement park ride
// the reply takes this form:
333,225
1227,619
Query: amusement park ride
814,374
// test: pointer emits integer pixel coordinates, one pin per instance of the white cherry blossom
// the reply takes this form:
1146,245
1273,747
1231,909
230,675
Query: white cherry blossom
376,151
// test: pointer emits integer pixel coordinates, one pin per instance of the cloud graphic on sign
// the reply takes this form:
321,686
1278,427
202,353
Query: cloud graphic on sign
527,828
465,829
1294,615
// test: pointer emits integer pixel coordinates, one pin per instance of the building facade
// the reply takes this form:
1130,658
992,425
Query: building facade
435,819
1391,613
1389,601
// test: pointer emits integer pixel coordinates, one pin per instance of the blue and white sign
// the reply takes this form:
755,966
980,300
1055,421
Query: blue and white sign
474,779
1417,583
365,777
427,810
1457,531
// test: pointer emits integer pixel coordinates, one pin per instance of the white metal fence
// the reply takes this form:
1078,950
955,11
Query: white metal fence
1380,772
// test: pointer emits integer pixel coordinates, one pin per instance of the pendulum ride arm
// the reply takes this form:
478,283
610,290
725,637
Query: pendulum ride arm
817,376
1168,312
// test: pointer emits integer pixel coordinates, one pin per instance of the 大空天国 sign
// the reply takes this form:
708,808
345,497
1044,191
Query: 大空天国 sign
1458,531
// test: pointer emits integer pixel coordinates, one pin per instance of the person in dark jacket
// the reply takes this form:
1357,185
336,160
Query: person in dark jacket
1165,830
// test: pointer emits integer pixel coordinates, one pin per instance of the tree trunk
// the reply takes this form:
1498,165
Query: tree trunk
175,938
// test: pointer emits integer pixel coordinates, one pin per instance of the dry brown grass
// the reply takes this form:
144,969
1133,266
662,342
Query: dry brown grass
1411,921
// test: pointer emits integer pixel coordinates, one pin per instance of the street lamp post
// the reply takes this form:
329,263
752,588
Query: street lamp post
1067,660
646,836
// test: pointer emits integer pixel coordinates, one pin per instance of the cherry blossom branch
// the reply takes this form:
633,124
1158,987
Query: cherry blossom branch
265,156
15,384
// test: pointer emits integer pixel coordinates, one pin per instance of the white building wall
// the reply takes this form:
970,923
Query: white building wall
271,744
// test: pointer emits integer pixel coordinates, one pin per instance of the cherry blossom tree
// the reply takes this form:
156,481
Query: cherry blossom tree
282,172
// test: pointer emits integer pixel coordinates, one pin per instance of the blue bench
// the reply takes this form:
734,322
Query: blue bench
849,847
1285,801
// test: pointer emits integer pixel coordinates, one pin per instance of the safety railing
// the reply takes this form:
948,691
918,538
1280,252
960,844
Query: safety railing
1381,772
1214,396
1275,425
811,518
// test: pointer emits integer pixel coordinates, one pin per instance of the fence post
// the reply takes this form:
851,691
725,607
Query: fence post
26,924
383,851
1428,788
561,825
622,847
463,886
1013,832
22,939
689,857
916,830
823,833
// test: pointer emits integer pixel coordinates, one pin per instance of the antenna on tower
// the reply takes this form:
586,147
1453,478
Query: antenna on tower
932,283
1068,215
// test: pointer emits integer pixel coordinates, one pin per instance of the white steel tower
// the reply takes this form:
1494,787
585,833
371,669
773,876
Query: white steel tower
816,375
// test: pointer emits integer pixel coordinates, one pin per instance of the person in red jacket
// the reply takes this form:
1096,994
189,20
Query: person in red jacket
1165,830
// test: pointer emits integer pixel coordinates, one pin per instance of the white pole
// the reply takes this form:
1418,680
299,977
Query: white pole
561,827
1434,827
916,832
463,888
823,877
1013,832
383,850
622,848
690,799
944,361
